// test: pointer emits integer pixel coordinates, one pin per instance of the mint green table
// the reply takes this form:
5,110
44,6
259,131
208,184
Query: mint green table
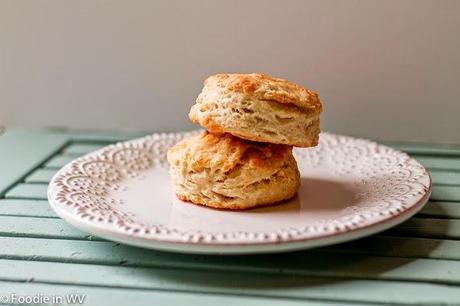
416,263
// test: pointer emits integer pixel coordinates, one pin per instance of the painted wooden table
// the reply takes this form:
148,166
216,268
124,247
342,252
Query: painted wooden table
415,263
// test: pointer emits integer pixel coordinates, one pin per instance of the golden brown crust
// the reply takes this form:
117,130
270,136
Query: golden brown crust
210,125
226,152
267,88
226,172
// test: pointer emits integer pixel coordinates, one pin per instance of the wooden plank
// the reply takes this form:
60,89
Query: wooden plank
28,191
30,148
239,283
93,252
100,296
28,208
111,253
92,136
13,226
41,175
58,161
441,210
440,163
445,177
400,247
446,193
425,148
79,149
428,227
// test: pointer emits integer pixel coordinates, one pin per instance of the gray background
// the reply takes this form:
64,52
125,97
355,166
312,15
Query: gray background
384,69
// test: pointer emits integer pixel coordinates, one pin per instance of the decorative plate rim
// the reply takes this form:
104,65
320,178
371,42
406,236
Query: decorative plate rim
80,191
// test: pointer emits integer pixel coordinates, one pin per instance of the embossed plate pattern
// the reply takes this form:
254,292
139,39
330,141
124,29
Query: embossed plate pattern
350,188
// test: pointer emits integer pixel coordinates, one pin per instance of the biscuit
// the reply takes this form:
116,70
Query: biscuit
260,108
226,172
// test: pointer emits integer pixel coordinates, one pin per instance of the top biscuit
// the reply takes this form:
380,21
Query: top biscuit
260,108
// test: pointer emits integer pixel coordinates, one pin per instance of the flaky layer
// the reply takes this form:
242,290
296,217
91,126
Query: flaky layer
229,173
259,108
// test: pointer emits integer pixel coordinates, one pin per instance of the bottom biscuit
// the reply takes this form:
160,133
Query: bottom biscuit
226,172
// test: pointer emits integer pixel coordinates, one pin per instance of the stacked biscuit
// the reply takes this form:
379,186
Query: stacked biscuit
244,158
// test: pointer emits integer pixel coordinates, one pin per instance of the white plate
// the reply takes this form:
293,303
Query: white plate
350,188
